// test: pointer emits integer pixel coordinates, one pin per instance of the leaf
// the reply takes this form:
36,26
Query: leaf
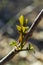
21,19
24,29
13,43
18,28
26,21
31,47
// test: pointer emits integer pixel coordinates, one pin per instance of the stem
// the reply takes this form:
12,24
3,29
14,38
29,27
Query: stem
22,41
34,25
8,57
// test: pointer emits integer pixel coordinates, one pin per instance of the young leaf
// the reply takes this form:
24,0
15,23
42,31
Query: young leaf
31,47
21,20
13,43
24,29
26,21
18,28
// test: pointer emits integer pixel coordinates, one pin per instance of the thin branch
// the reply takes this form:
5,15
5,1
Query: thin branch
9,56
34,25
13,52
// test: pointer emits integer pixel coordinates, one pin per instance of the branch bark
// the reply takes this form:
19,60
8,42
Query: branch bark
9,56
13,52
34,25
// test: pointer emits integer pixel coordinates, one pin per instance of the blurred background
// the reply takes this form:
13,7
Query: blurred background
10,10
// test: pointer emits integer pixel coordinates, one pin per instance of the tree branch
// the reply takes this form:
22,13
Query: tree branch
9,56
13,52
34,25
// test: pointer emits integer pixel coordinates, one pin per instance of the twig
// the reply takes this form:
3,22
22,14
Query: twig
13,52
34,25
9,56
